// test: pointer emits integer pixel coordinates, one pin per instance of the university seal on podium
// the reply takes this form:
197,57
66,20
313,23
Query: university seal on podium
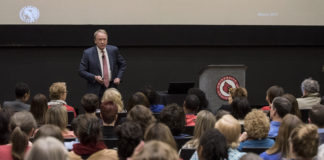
223,86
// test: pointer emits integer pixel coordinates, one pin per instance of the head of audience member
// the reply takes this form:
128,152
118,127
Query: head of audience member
320,153
256,124
231,129
279,108
236,92
212,145
241,107
150,93
304,142
316,115
205,120
38,107
90,103
310,86
142,115
174,117
57,91
251,156
22,125
113,95
57,115
289,122
101,38
160,132
220,113
294,104
49,130
129,136
273,92
108,113
88,129
22,91
4,126
156,150
191,104
137,98
203,102
48,148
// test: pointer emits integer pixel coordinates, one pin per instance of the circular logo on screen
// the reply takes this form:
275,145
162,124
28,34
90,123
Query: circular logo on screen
223,86
29,14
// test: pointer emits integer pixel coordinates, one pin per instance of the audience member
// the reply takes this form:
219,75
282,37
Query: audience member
22,125
271,94
109,114
151,94
203,102
22,93
141,115
57,115
212,146
281,147
251,156
90,147
190,108
57,94
49,130
137,98
231,129
156,150
320,153
38,108
90,103
304,142
239,92
205,120
113,95
316,115
240,107
310,90
160,132
279,108
173,116
257,126
4,126
129,136
48,148
294,104
220,113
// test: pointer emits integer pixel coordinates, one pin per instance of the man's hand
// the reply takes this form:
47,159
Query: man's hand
116,81
99,79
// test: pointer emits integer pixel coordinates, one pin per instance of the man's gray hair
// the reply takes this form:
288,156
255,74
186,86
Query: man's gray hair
99,31
310,86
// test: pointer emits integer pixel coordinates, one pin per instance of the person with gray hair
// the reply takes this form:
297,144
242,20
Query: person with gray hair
310,89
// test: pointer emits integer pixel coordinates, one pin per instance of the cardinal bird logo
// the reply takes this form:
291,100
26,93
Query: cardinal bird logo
224,85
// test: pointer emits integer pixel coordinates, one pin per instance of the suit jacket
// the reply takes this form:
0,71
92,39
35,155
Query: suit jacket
90,66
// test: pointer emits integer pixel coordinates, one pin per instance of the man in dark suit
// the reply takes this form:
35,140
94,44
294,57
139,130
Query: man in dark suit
101,65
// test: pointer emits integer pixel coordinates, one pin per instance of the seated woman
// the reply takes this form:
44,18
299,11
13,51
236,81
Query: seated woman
22,125
304,142
137,98
160,132
90,147
49,130
152,95
241,107
113,95
156,150
239,92
141,115
256,125
38,107
205,120
281,147
57,115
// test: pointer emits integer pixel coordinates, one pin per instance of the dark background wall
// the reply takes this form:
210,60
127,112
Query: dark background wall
156,55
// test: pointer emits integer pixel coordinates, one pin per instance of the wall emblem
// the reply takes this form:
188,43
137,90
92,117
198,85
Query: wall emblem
29,14
223,86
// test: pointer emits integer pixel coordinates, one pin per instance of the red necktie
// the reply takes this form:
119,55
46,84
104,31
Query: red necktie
105,69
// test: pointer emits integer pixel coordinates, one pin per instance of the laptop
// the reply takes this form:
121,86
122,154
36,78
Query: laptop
180,87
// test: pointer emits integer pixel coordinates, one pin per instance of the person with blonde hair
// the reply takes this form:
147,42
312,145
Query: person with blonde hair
48,148
113,95
304,142
281,147
57,95
22,125
153,150
205,120
256,125
57,115
160,132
